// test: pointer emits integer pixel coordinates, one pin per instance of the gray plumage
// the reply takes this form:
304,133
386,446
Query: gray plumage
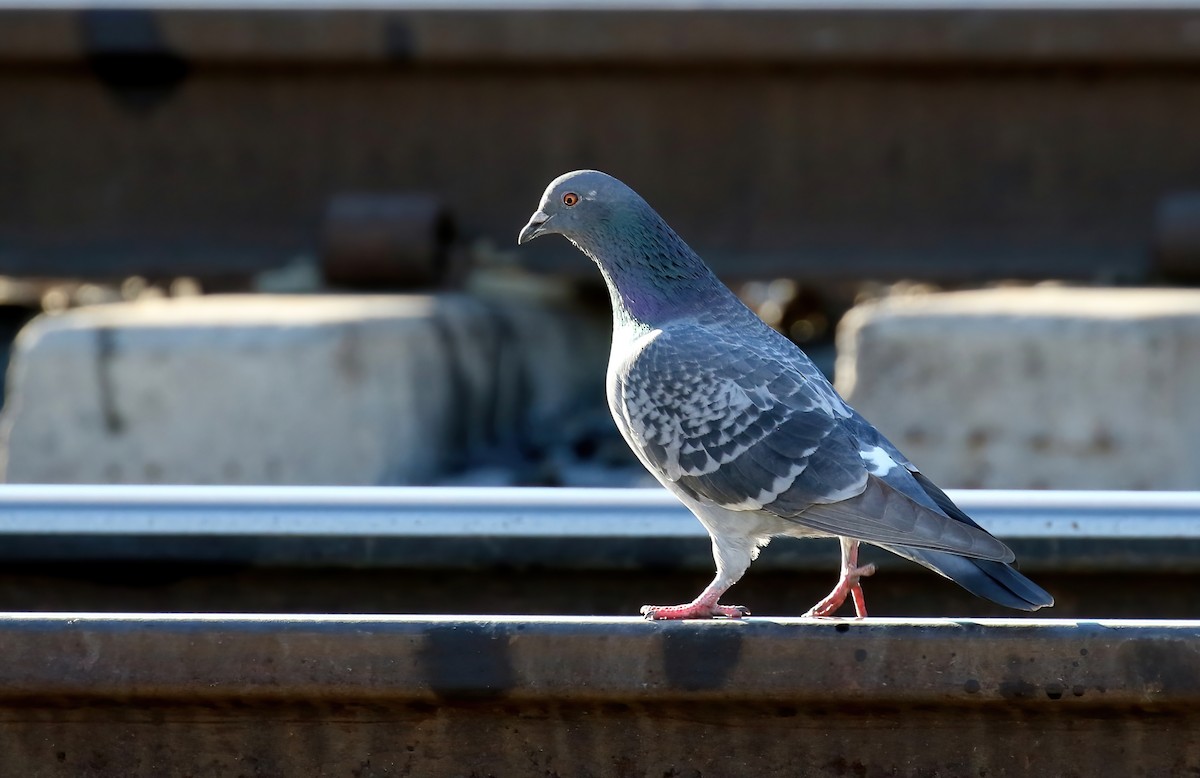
737,422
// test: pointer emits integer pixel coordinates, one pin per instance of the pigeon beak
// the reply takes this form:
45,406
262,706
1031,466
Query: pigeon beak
536,227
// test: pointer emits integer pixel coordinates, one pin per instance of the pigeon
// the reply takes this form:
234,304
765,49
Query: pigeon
740,425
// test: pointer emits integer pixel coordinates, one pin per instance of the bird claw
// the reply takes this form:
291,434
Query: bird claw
825,609
847,585
692,610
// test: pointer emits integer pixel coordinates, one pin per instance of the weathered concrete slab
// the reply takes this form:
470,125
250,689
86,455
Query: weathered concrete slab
287,390
449,696
1033,388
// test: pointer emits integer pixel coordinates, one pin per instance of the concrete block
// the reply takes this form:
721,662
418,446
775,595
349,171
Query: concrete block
1055,388
287,390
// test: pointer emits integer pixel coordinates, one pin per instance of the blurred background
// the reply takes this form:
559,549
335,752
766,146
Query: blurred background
274,243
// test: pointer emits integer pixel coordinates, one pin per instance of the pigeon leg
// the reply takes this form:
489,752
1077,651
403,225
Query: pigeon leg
703,607
696,609
847,585
732,558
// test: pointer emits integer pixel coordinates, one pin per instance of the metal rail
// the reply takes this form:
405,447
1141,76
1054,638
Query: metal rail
132,695
422,512
561,529
348,656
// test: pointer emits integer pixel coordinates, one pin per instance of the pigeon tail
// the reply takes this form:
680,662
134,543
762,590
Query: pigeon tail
882,514
994,581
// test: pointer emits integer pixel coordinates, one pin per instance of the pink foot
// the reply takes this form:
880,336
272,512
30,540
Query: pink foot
847,585
693,610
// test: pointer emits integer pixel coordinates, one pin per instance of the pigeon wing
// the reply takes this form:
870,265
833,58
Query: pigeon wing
751,429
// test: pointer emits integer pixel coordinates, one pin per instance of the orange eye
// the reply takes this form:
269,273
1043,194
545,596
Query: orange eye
570,198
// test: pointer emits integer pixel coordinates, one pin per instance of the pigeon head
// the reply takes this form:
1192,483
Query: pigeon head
577,205
651,273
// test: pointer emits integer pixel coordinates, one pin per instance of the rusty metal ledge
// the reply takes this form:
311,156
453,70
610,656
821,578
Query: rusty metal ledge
320,659
154,695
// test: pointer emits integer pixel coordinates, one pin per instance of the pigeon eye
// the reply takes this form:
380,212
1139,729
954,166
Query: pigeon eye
570,198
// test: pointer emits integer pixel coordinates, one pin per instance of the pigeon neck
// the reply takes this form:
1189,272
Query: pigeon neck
656,281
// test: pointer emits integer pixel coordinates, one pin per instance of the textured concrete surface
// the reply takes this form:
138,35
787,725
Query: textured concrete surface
1056,388
288,390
